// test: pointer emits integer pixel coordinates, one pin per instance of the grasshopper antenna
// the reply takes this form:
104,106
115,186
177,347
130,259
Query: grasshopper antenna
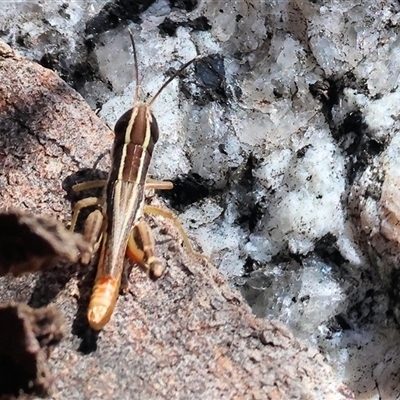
167,82
136,99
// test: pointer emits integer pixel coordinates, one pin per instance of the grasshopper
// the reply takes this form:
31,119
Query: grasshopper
118,227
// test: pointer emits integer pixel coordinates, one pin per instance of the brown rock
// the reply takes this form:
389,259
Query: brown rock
27,337
30,243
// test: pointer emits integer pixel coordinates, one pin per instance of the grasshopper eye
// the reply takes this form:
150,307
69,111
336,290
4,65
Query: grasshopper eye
154,132
122,125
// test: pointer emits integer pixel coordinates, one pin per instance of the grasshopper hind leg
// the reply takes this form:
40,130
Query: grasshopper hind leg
140,249
92,234
93,224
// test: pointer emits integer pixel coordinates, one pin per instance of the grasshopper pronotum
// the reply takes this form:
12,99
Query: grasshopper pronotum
118,227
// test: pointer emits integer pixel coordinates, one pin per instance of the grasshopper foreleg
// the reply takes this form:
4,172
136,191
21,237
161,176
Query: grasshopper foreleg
158,185
170,215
